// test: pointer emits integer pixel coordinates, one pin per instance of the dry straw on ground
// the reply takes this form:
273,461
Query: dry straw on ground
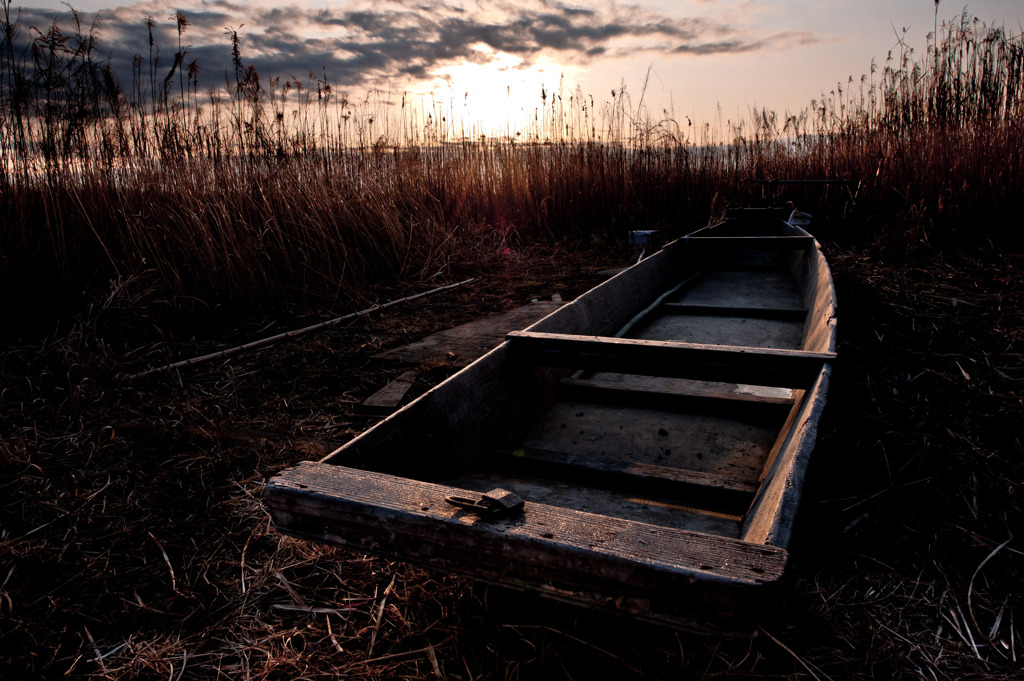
136,542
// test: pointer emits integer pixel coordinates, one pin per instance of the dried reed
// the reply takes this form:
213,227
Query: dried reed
277,187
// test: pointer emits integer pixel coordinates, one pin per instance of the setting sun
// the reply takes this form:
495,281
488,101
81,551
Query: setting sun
494,92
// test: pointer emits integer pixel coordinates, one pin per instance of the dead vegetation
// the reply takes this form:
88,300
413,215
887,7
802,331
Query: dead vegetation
136,543
259,194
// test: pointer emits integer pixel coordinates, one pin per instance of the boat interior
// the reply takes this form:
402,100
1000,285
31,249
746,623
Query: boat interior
669,395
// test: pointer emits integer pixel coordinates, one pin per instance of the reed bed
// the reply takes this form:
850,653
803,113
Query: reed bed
265,189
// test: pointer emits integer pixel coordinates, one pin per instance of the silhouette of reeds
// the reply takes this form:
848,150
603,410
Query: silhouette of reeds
274,184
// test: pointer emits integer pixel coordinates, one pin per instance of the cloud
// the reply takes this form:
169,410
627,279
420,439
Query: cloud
772,42
360,44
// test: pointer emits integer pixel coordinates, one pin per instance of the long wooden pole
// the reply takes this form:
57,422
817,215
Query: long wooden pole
295,333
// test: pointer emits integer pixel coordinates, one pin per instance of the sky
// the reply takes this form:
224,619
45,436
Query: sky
688,60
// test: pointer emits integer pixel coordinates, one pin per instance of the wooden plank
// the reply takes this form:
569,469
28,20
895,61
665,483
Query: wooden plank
771,516
787,427
606,308
740,287
715,330
695,489
728,442
776,313
639,318
737,364
773,214
489,401
720,265
762,223
387,399
584,388
630,505
820,328
713,244
469,341
661,574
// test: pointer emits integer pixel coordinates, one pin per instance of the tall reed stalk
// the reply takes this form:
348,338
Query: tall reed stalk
278,185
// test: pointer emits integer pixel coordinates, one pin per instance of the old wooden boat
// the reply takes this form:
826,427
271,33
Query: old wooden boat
657,428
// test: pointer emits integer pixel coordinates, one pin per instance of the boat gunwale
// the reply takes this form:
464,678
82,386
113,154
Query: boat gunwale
672,572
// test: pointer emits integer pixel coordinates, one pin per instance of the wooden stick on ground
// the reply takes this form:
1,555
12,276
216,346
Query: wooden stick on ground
295,333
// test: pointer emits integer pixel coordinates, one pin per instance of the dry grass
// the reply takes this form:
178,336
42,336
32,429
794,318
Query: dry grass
918,498
289,190
136,543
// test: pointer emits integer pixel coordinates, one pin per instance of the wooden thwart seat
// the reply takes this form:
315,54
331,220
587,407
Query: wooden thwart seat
714,244
597,389
758,243
781,314
724,363
696,489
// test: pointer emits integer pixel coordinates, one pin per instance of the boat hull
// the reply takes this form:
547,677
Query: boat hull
658,429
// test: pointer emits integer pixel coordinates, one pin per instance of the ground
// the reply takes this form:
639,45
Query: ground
135,541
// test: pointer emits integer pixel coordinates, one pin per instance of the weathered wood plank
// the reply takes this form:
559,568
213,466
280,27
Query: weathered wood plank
737,364
820,328
661,574
606,308
768,222
696,489
733,442
387,399
617,391
771,516
469,341
741,287
630,505
781,314
718,330
712,244
487,402
725,265
787,427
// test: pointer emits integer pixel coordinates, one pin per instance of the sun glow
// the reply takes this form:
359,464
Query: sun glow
497,93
